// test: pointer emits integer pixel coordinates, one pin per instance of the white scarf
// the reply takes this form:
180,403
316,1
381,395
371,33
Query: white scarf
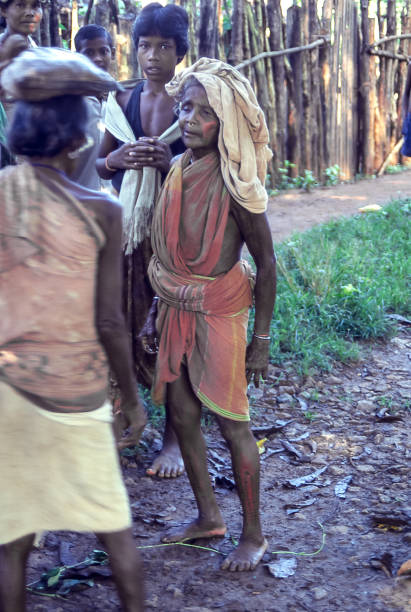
139,188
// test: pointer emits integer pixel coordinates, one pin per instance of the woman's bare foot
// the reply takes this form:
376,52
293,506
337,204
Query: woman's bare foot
168,464
245,557
195,530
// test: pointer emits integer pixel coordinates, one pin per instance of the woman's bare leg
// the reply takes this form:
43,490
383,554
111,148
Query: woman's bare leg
13,559
185,415
246,467
127,568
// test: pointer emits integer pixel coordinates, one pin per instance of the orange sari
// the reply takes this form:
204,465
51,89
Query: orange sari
202,320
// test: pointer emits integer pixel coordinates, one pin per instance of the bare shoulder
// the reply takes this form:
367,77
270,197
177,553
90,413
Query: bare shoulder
108,209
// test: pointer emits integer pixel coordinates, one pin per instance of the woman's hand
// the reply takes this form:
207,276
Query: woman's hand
148,334
129,423
256,361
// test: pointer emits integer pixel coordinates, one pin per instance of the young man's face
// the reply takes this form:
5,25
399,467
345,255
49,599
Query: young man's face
157,57
198,122
98,51
23,16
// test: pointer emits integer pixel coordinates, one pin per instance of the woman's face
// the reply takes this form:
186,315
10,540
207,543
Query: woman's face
198,122
23,16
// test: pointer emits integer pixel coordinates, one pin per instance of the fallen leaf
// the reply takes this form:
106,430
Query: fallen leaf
260,445
303,480
369,208
341,487
384,563
283,568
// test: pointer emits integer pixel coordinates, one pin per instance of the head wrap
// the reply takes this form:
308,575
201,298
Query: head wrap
45,72
243,136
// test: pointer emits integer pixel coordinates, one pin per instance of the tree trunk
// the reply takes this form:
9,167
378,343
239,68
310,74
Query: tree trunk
275,24
366,124
237,25
208,32
295,107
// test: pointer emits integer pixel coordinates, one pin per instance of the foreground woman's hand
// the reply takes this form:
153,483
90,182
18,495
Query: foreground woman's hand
129,423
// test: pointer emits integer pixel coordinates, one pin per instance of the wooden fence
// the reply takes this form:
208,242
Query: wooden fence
330,90
330,82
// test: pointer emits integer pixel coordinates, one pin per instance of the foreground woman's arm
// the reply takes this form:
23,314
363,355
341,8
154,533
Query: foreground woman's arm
111,324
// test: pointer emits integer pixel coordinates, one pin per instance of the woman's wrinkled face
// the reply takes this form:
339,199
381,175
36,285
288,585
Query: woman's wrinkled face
23,16
198,122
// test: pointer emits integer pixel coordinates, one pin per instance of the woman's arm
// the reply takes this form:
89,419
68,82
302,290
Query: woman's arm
111,324
257,235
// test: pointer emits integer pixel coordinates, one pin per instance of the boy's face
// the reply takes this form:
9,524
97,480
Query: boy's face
23,16
198,122
98,51
157,57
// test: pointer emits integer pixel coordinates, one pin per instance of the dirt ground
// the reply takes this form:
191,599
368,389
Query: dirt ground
347,429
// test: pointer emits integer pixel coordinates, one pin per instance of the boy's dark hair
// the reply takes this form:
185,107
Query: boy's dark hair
45,128
170,21
90,32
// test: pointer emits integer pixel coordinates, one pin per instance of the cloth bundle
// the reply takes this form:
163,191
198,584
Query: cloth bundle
243,136
43,73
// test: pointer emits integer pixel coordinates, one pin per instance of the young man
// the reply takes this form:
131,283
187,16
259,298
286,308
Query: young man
94,42
141,137
210,205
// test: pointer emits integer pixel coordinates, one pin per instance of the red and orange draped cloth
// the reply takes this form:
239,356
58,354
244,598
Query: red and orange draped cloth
202,320
49,245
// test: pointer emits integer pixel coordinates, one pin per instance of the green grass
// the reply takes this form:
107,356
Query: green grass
336,284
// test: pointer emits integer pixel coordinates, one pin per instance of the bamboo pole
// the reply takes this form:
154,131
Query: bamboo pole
288,51
386,39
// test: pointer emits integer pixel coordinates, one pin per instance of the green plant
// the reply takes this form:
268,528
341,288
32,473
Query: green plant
310,416
307,181
285,180
395,169
332,175
336,283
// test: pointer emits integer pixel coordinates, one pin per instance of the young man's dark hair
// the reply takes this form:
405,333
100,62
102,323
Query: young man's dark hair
168,21
90,32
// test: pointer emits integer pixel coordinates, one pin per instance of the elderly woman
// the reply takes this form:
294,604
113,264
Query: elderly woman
61,327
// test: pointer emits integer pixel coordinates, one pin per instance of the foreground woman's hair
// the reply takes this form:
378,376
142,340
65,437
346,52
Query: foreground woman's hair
46,128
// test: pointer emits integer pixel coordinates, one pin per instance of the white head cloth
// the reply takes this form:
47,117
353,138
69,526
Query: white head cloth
243,136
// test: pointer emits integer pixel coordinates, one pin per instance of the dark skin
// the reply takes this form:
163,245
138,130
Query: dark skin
23,18
200,128
98,50
124,559
158,58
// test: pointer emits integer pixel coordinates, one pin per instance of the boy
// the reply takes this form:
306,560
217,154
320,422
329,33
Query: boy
94,42
210,205
141,137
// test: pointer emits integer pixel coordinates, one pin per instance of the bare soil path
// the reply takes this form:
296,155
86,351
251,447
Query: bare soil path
349,429
297,211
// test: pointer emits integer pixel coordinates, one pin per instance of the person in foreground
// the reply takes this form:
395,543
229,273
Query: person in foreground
61,323
141,137
209,206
